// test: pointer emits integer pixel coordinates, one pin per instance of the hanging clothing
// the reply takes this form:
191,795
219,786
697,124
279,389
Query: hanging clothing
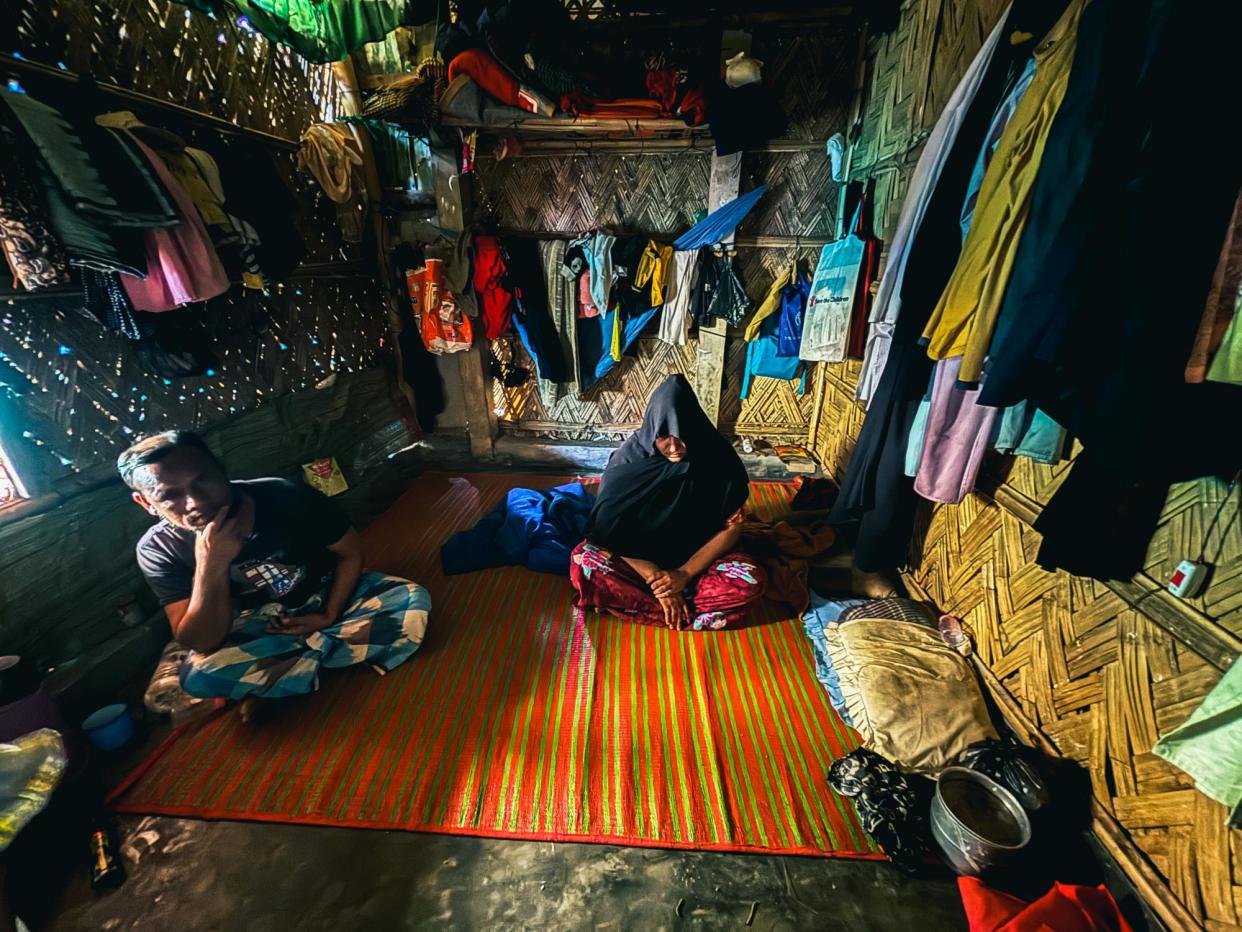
873,248
33,253
1069,200
105,298
716,226
923,183
236,241
1227,363
490,283
182,265
182,166
332,154
603,276
794,298
498,81
653,270
563,307
1026,430
1218,311
260,198
1000,119
654,509
534,324
946,464
61,151
958,434
597,342
965,317
86,239
875,492
770,304
717,291
1101,519
678,289
329,30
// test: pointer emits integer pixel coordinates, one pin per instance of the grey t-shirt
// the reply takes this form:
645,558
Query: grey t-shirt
286,559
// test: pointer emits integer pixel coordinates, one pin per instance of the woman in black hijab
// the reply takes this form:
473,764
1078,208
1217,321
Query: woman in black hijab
662,540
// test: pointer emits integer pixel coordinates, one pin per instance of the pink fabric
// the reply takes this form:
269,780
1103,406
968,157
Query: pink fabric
719,598
182,265
959,433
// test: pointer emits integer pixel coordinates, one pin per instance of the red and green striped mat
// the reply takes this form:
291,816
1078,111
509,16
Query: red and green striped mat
513,721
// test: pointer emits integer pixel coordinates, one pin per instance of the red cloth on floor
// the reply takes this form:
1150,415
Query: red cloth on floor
488,73
495,298
1064,908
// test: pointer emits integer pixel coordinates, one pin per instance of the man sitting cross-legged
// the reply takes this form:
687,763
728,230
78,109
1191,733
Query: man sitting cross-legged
261,579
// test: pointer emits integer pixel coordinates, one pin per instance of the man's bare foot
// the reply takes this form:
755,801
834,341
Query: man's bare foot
248,709
872,585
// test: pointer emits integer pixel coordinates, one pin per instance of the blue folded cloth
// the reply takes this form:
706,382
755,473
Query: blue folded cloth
821,613
535,528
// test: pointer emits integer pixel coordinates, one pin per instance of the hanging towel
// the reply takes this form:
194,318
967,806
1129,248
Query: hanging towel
675,318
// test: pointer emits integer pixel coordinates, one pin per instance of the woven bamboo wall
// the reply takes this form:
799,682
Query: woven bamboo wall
1100,670
659,194
82,391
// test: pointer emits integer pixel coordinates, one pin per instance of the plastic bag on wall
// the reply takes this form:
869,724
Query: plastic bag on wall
444,328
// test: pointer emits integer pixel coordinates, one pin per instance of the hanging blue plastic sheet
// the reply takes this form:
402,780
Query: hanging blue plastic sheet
720,222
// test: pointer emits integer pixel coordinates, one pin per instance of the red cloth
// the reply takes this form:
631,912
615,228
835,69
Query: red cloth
719,598
1064,908
488,73
628,108
662,87
495,298
856,341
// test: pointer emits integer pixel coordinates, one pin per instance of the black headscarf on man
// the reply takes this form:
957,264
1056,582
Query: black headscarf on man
652,509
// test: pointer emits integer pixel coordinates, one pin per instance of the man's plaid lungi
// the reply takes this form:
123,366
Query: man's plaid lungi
383,627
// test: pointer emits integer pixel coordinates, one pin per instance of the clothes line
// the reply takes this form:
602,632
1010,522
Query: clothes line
744,242
13,64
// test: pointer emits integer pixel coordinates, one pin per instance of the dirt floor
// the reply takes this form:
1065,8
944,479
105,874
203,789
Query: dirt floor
190,875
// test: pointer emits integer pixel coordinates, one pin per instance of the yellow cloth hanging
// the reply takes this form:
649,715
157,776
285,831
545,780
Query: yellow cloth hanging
964,319
771,303
186,171
614,349
653,270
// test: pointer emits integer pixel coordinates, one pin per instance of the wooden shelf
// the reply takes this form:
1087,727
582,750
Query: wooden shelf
589,129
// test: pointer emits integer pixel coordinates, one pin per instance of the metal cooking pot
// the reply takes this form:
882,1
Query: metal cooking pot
976,822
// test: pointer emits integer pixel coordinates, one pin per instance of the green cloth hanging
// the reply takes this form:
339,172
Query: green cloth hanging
325,30
1208,745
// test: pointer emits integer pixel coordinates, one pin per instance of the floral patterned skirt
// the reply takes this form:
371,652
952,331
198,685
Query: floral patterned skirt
718,598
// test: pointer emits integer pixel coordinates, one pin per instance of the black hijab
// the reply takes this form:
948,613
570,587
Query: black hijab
652,509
